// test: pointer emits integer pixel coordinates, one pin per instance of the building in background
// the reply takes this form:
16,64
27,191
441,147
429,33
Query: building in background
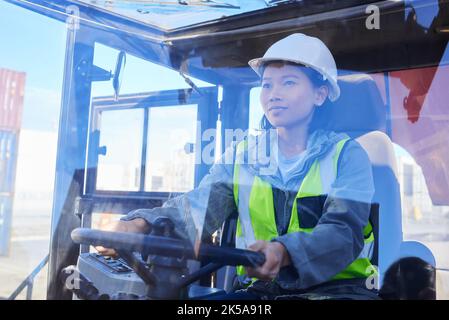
12,88
415,198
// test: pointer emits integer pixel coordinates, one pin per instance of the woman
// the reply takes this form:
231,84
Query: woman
309,215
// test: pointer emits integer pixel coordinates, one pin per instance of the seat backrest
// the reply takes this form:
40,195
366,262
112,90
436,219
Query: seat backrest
380,150
360,108
361,113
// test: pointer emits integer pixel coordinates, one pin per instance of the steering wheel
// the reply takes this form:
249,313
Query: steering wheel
165,246
126,243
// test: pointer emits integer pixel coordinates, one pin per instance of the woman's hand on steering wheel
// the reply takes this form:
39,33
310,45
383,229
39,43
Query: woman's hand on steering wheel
133,226
276,257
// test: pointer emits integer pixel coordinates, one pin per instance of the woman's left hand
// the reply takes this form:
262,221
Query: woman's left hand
276,256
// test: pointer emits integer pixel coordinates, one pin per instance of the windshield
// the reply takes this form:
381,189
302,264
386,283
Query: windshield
105,120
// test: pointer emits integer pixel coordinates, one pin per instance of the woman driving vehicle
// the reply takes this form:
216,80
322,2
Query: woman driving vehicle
302,192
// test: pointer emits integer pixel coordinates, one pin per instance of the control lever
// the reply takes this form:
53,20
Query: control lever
139,267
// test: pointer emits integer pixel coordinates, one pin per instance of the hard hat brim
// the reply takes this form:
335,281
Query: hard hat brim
258,63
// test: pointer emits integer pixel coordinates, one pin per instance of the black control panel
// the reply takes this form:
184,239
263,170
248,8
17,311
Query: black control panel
115,265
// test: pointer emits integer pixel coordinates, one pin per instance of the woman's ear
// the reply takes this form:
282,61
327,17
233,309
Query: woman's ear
321,94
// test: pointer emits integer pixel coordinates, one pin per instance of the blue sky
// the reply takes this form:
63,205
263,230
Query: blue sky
34,44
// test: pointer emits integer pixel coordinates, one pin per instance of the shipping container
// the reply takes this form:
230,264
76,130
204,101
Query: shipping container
12,89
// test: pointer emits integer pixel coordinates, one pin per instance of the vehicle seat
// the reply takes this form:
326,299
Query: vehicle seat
361,113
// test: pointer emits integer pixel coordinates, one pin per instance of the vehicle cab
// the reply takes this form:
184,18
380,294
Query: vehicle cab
112,106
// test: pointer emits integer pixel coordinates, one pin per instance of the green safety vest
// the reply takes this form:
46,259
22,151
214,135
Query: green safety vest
254,200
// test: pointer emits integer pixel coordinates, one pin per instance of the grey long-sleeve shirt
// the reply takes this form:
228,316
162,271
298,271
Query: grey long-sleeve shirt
337,239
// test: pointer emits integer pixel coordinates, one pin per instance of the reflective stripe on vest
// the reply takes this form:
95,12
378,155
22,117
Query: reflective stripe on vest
255,203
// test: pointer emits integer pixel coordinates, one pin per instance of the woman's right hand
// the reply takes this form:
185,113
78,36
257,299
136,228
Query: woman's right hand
138,225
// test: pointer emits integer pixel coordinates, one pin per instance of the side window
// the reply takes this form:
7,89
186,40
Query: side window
170,164
121,134
148,141
420,126
420,215
31,74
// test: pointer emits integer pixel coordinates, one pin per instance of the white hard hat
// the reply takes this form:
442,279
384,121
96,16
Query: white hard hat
305,50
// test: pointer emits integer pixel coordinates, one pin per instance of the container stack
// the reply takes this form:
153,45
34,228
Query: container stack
12,89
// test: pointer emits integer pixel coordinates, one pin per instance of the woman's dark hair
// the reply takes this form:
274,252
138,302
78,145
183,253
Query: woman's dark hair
320,120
